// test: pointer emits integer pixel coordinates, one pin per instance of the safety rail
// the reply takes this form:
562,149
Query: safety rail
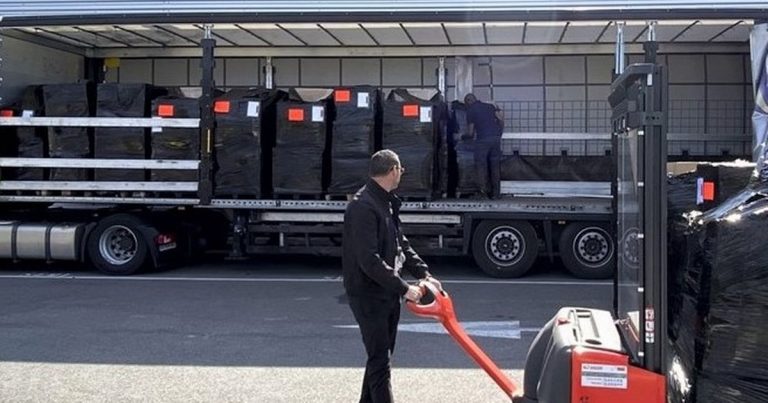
39,190
681,146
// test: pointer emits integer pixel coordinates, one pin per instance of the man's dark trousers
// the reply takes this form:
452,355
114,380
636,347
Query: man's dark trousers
378,319
488,165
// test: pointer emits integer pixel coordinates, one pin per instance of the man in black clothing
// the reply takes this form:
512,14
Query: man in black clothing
374,253
485,126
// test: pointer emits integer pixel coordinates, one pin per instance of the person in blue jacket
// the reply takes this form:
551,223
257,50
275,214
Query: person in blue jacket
485,126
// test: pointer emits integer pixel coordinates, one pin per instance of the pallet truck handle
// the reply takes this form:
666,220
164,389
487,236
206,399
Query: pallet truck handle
441,309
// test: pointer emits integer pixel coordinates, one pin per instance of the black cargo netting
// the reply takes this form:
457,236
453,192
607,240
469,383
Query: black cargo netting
556,168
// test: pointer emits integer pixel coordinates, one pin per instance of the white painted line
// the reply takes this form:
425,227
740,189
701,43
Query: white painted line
498,329
68,276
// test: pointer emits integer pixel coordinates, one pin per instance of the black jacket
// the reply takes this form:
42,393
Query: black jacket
372,242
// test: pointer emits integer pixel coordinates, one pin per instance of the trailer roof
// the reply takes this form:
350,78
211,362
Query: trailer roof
118,11
120,28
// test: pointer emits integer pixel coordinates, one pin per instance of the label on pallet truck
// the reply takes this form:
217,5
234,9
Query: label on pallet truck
604,376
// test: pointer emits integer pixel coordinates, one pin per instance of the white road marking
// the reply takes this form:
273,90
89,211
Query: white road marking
69,276
499,329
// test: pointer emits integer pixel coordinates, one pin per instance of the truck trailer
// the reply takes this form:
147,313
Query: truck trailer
549,69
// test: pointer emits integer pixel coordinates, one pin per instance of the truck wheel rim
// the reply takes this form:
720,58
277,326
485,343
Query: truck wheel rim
630,246
505,246
592,247
118,245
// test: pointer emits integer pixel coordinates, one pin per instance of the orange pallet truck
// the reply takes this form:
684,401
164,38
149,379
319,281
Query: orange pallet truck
576,358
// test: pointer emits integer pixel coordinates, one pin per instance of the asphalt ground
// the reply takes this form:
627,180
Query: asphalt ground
263,330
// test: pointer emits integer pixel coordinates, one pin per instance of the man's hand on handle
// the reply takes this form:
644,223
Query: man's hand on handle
434,282
414,293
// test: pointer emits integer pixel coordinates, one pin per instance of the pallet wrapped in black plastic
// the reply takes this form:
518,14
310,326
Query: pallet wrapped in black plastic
414,126
9,143
718,331
124,101
175,143
358,115
461,154
245,135
708,185
69,100
301,157
29,142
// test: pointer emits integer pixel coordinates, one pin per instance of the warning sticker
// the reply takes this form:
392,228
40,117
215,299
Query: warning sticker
604,376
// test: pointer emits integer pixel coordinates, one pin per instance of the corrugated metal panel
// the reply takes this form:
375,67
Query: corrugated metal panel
120,8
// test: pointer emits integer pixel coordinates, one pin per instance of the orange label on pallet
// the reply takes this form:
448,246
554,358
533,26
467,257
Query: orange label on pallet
410,111
221,106
342,96
165,111
6,113
708,191
295,115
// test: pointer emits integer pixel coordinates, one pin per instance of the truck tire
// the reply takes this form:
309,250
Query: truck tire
116,246
588,250
505,249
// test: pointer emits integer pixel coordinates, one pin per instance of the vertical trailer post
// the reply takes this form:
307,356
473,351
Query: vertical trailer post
650,46
1,67
205,190
441,76
618,59
619,56
269,79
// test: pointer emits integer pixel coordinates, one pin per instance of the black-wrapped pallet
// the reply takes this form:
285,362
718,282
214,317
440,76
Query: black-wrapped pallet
28,142
301,152
9,144
175,143
718,300
722,330
354,137
121,100
245,135
413,128
68,100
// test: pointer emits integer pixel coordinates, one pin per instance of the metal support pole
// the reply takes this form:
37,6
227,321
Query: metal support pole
205,189
758,40
650,46
619,56
1,69
269,71
441,75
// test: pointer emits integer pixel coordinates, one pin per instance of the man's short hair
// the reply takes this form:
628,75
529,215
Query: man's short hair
469,98
382,162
